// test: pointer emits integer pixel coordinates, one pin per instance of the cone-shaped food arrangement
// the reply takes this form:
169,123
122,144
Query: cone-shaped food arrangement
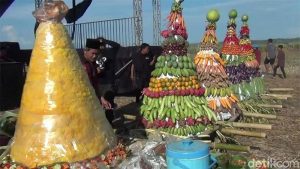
256,83
246,46
60,119
211,71
174,100
239,74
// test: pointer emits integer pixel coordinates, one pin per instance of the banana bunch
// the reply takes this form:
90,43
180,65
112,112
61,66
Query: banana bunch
214,92
184,131
176,108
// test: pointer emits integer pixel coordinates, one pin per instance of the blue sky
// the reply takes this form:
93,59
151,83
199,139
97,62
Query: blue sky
267,18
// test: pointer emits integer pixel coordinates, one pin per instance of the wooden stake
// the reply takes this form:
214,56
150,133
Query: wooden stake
281,89
276,96
259,115
276,106
232,147
244,133
246,125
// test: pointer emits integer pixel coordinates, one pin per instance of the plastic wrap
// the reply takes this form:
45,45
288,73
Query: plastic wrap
60,119
145,155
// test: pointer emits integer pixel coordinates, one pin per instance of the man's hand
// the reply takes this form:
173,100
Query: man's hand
153,61
105,103
99,70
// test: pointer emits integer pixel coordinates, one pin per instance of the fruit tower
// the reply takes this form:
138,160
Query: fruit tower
239,74
60,118
249,57
211,71
173,102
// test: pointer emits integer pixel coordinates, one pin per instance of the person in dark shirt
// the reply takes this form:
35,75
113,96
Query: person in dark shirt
107,53
270,55
91,53
142,65
280,61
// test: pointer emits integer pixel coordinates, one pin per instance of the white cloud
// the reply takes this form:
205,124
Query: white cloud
10,34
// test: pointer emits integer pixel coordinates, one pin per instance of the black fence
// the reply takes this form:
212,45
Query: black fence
119,30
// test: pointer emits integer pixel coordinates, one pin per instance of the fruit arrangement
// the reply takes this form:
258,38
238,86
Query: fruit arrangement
231,42
175,35
60,118
209,40
211,72
172,103
240,66
246,47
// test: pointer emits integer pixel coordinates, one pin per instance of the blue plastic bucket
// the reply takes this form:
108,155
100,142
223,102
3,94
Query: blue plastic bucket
189,154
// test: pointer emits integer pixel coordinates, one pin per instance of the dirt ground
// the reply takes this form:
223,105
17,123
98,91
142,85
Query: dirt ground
282,142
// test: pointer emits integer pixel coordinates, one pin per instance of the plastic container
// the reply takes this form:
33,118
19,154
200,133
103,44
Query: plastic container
189,154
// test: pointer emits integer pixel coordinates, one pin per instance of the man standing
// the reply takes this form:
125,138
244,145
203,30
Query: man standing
270,55
142,64
91,53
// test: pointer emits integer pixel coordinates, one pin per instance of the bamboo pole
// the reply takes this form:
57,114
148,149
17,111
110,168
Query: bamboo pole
276,106
244,133
246,125
281,89
232,147
259,115
268,96
278,95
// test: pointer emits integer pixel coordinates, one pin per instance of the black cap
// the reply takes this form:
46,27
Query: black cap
92,43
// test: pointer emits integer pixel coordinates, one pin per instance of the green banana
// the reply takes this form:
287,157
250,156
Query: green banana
187,102
173,117
176,104
169,101
208,90
172,99
191,101
184,131
162,106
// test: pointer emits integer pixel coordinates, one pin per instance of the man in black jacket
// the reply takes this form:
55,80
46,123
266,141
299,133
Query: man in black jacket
101,75
142,65
107,51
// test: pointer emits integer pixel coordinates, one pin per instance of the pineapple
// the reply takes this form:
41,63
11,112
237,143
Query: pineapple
60,118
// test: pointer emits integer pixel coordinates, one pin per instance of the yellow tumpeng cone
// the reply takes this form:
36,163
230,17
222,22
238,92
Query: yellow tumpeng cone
60,117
